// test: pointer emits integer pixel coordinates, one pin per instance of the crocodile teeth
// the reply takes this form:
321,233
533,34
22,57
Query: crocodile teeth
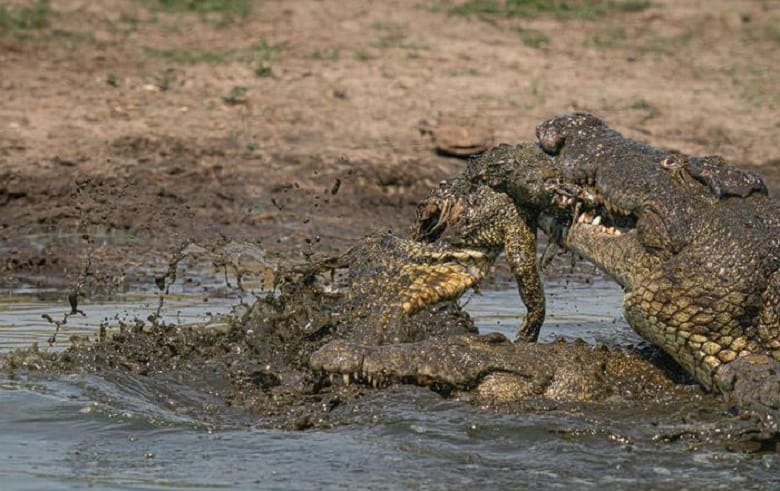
586,217
596,221
332,378
345,377
612,231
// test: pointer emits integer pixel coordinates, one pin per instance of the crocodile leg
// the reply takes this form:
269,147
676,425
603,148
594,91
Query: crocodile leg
756,378
520,254
480,218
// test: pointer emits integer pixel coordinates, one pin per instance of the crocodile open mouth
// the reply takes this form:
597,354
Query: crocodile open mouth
433,216
588,207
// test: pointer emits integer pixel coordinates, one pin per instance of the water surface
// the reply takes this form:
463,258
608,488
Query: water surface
83,431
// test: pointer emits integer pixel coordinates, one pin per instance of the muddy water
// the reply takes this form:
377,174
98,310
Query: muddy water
68,433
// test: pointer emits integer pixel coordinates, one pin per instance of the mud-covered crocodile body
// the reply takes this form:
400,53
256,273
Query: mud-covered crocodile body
391,281
383,290
693,241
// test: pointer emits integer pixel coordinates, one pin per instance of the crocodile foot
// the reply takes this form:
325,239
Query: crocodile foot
752,380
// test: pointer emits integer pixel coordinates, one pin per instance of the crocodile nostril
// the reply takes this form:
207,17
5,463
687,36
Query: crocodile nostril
550,139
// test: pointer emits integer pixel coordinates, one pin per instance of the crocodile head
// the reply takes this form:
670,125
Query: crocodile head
625,184
620,182
459,212
469,215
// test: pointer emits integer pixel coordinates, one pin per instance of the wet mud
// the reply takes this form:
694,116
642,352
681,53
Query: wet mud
255,361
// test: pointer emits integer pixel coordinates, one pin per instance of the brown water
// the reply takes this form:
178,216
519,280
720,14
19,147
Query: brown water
82,431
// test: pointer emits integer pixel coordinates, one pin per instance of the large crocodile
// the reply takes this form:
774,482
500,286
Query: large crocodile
695,242
700,260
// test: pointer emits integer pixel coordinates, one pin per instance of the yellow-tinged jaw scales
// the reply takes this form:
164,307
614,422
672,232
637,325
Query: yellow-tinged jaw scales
432,283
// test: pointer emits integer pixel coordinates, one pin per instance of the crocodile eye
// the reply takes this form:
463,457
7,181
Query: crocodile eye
550,139
672,162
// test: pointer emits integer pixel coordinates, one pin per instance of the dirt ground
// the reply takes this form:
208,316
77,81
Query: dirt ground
129,128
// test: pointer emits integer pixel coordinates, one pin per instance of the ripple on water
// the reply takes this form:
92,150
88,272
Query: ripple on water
118,432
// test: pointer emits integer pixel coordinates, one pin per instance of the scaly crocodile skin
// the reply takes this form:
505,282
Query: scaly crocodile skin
697,251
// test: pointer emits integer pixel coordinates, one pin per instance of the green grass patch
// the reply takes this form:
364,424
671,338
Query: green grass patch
469,72
649,108
770,31
362,56
236,96
612,37
191,56
667,44
616,37
387,26
394,36
326,54
226,11
533,39
388,42
260,56
18,20
562,9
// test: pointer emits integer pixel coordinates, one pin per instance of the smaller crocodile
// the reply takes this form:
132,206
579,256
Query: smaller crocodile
385,295
383,290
